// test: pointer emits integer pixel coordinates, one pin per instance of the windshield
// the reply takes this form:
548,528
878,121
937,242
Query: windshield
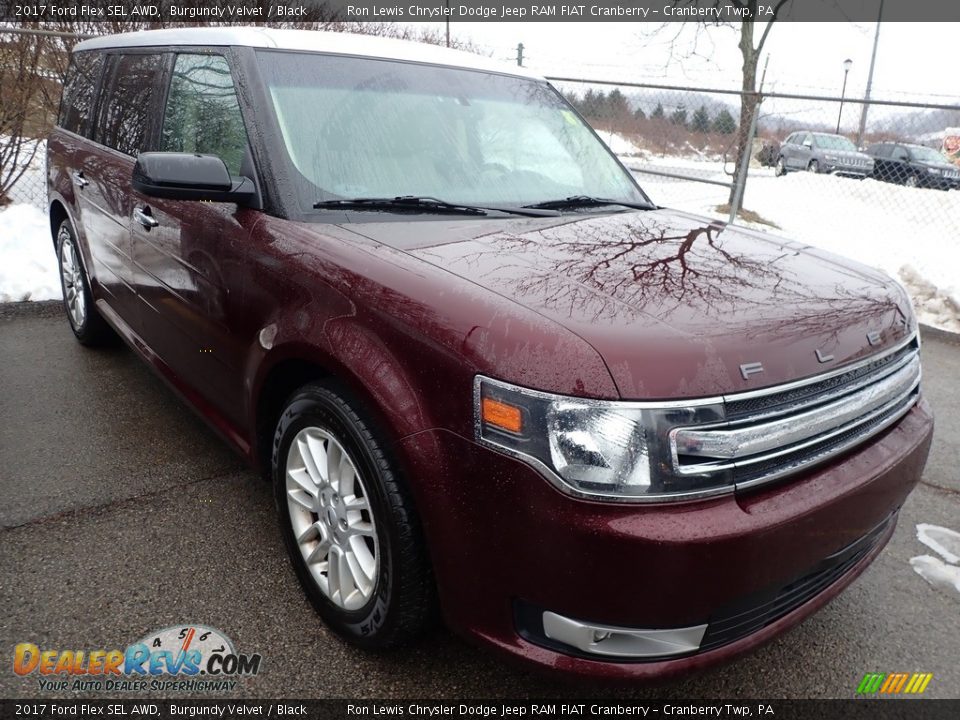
363,128
834,142
927,155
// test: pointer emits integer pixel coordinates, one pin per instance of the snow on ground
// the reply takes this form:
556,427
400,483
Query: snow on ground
28,263
32,185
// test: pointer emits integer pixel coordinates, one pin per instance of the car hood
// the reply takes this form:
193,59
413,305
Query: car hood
944,166
674,303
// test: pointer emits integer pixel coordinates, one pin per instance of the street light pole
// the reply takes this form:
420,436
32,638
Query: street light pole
847,64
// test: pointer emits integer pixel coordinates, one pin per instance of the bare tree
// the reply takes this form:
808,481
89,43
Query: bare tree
751,46
20,66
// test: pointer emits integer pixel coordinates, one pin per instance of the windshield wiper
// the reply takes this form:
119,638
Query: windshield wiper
582,201
419,203
404,202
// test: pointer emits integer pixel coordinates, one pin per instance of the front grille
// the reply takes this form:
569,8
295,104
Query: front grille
775,432
753,613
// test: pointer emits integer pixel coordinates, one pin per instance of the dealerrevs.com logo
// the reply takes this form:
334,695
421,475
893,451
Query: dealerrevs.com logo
188,658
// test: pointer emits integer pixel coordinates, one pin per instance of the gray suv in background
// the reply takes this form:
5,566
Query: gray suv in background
822,153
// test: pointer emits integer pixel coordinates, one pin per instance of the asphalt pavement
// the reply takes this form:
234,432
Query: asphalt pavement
122,513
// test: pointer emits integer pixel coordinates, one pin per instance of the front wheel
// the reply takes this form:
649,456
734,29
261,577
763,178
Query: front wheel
349,526
87,324
912,181
781,167
814,166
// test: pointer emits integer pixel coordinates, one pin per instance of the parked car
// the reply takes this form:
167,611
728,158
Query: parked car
822,153
481,369
913,166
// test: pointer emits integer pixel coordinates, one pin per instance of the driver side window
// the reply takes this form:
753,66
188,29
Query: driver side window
202,113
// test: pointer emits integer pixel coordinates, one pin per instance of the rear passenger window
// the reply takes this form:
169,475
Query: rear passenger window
76,105
202,113
125,112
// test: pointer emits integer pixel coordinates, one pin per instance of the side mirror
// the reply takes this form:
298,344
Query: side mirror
189,176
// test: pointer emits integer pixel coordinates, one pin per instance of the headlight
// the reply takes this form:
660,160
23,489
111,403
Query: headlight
933,171
831,158
595,448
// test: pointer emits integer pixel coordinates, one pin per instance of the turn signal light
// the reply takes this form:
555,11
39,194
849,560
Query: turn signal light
502,415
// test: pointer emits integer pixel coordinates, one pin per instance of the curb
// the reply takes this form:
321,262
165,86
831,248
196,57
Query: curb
951,338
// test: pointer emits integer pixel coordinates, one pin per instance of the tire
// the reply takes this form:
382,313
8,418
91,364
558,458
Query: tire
912,181
87,324
780,169
814,166
357,550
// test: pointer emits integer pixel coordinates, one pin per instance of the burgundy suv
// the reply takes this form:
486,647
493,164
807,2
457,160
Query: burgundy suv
483,371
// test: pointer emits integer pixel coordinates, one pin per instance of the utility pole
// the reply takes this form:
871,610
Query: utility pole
520,54
448,22
866,97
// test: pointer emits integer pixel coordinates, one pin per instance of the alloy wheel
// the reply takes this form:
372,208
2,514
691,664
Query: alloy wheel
72,276
332,519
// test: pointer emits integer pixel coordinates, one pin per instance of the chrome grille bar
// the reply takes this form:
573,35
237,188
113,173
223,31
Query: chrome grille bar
776,442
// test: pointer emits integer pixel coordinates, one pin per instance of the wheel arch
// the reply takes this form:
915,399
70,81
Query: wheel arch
58,213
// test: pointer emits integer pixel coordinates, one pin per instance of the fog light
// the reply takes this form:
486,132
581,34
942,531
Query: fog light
622,642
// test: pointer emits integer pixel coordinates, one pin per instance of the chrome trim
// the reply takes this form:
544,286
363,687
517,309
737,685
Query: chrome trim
786,387
821,421
611,641
847,389
835,450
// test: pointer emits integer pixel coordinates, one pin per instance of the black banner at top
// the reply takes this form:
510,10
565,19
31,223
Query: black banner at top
259,11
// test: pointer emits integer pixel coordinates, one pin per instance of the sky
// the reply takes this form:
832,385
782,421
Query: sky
915,61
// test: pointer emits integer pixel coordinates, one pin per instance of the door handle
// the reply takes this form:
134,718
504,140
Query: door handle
79,179
143,216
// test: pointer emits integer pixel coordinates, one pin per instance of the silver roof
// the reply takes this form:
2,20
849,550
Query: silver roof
305,40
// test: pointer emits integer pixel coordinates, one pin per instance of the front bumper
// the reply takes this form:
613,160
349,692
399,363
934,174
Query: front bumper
503,540
838,168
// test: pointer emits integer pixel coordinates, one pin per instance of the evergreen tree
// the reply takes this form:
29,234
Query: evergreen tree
658,112
700,122
617,105
679,116
724,123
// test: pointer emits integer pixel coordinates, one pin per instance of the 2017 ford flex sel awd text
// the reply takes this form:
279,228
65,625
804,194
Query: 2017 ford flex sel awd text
485,374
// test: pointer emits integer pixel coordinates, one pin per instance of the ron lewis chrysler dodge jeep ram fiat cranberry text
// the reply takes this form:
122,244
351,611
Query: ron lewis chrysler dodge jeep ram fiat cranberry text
484,373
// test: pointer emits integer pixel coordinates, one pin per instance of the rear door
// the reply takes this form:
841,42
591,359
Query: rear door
189,254
122,127
787,150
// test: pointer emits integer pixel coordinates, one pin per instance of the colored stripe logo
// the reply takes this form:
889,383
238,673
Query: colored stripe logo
894,683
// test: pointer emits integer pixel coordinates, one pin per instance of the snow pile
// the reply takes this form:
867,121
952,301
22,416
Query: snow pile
28,263
620,145
32,185
945,573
